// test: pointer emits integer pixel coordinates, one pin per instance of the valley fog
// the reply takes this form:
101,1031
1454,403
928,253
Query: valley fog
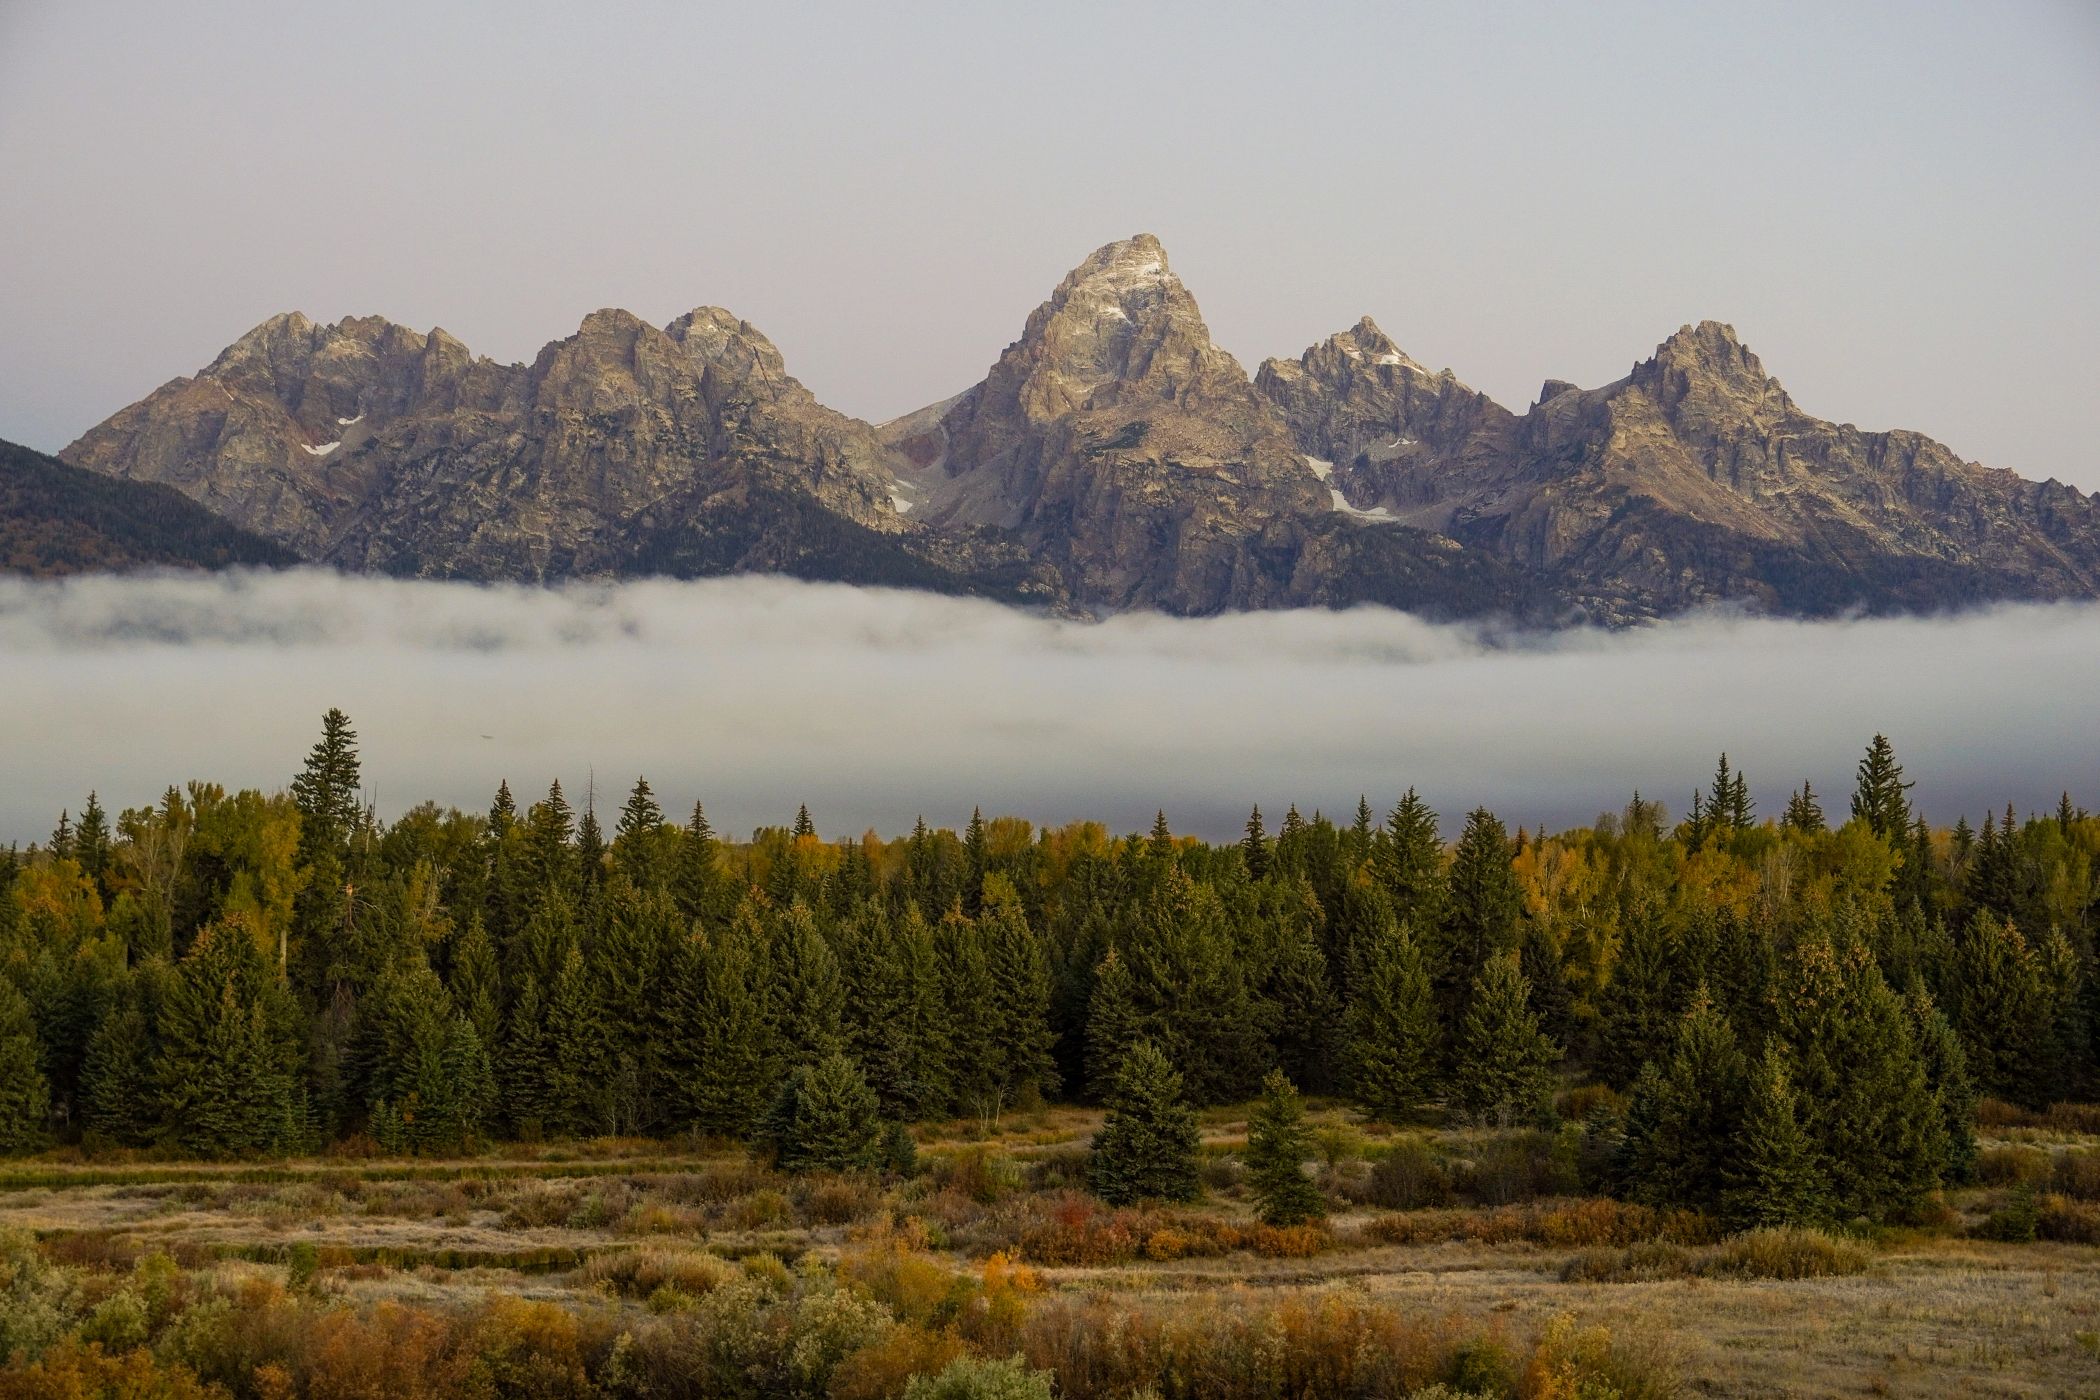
874,707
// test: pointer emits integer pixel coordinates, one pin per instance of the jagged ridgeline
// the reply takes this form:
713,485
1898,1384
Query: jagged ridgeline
1766,1018
1112,458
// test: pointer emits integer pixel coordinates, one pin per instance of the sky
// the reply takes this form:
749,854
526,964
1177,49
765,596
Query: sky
755,695
1896,205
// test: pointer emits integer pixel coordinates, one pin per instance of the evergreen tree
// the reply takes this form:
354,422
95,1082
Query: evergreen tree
1391,1035
1146,1148
1409,862
1162,836
1774,1178
1879,800
1019,1003
722,1052
1993,995
476,985
524,1069
61,844
1803,812
117,1082
1277,1145
228,1050
1638,1006
826,1119
1686,1114
1481,919
1504,1062
1360,831
25,1096
1879,1131
1112,1026
639,850
327,789
590,848
1947,1076
804,827
91,843
1254,847
977,853
698,875
808,995
579,1055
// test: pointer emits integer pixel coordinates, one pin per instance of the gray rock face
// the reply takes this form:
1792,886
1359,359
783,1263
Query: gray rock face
1113,457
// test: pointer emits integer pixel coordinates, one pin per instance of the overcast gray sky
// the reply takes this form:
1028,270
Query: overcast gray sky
1895,204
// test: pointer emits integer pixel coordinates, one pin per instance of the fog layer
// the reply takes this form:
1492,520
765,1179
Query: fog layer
875,707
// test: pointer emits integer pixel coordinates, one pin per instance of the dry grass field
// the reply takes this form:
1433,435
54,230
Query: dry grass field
647,1228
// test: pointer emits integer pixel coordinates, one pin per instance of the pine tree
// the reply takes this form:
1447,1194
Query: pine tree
722,1054
327,790
550,859
1391,1027
1638,1006
1277,1145
1162,836
1504,1062
1019,1006
225,1072
1803,812
91,843
1112,1026
1947,1076
1686,1113
1878,1129
826,1119
1409,862
977,852
638,839
1774,1178
808,994
1146,1149
1879,799
590,849
579,1055
117,1081
1360,831
698,877
523,1062
25,1095
976,1070
1254,847
61,844
804,827
1481,920
476,985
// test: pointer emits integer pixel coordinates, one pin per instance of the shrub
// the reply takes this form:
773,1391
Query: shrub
973,1378
2077,1174
639,1273
2015,1221
1409,1177
2014,1166
1640,1263
1786,1254
2067,1221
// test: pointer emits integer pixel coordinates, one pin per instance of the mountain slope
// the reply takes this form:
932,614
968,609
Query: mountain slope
1113,457
56,519
1130,452
621,449
1694,481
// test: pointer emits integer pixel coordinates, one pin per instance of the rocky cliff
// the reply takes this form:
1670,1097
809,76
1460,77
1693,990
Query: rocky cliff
1113,457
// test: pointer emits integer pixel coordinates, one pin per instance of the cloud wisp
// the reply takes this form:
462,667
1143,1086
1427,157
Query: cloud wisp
874,707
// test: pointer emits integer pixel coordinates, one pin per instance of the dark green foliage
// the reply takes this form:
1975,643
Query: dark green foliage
56,519
1947,1076
1409,862
826,1119
25,1097
1881,797
226,1073
1639,1004
721,1048
1018,973
1772,1173
1112,1026
1278,1144
1480,920
1803,812
1391,1034
1879,1131
1146,1149
1503,1067
1683,1123
1254,847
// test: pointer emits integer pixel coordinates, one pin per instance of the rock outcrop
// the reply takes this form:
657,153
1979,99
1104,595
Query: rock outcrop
1113,457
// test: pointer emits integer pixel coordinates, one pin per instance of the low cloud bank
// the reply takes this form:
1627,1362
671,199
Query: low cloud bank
755,694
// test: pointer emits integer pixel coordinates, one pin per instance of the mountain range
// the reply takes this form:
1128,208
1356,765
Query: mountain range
1112,458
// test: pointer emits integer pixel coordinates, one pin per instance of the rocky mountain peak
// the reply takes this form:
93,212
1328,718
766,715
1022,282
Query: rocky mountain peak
1708,361
721,339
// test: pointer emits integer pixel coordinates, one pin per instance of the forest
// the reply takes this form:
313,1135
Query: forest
1724,1044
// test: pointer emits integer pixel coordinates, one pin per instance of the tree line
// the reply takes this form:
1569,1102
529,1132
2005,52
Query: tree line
1795,1016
